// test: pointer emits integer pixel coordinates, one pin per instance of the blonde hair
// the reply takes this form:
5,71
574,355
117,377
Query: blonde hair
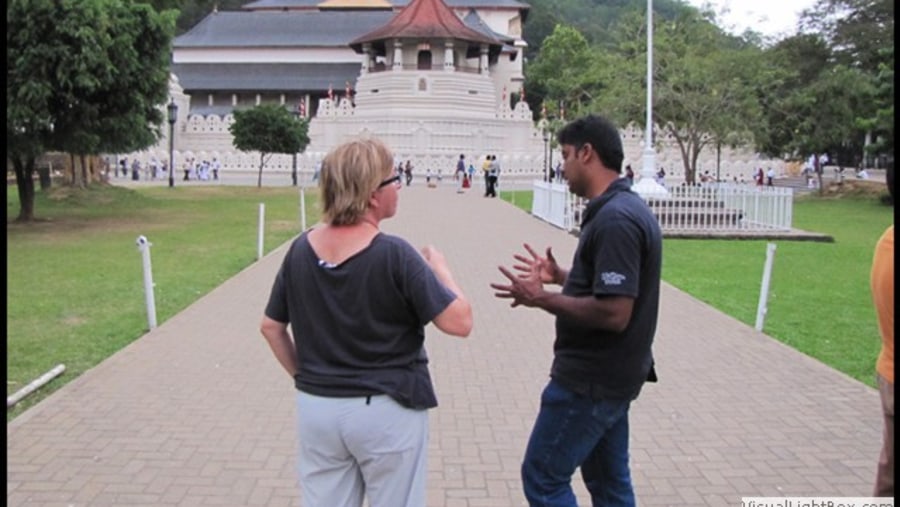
350,173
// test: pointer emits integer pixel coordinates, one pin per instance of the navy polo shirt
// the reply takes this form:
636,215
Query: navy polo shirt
619,253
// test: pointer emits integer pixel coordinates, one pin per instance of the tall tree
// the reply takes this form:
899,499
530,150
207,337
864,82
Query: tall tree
268,129
856,30
702,93
568,72
83,76
860,34
813,105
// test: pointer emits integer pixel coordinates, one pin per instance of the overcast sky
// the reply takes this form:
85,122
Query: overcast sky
769,17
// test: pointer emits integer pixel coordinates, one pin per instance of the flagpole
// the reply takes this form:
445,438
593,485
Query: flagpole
647,185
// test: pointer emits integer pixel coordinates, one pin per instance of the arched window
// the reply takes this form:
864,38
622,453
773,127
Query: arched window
423,60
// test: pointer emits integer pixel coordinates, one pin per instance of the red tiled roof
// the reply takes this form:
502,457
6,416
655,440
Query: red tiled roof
425,19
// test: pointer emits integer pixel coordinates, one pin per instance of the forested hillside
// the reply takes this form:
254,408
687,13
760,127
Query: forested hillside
593,18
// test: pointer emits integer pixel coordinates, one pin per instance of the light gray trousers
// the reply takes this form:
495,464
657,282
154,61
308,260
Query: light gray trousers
351,448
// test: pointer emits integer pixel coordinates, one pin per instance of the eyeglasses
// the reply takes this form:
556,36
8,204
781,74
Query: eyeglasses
394,179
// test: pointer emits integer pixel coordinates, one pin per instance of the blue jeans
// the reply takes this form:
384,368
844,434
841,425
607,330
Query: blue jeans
571,431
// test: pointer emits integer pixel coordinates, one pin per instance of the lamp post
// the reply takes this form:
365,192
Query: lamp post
294,161
550,154
173,116
546,138
647,185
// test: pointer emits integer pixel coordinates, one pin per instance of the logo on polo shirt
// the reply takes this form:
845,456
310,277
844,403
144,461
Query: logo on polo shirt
612,278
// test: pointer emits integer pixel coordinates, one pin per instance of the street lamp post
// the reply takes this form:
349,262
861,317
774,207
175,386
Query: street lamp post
546,144
550,157
294,162
647,185
173,116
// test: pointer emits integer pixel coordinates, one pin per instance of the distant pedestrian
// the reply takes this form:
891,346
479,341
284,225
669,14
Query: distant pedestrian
493,177
485,168
460,174
460,167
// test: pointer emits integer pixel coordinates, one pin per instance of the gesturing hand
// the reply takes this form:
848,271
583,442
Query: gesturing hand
545,267
523,289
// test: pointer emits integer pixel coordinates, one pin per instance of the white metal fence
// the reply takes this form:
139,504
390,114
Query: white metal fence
722,207
553,203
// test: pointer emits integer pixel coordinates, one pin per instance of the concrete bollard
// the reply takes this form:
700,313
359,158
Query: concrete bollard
144,247
762,308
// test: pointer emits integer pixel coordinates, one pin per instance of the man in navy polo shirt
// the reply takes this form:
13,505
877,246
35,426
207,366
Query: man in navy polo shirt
606,317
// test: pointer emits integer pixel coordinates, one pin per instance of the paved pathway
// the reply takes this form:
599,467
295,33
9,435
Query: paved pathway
198,412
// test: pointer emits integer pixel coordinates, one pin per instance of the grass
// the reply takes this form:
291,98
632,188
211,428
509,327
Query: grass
819,298
75,291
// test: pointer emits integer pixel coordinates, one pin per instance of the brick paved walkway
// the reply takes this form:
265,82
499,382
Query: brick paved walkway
198,412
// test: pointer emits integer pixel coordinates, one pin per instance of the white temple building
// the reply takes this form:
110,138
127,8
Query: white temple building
432,78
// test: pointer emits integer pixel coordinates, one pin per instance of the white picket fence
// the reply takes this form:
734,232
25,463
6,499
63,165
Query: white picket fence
720,208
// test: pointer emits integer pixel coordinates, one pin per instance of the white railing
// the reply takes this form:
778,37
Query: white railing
553,203
722,207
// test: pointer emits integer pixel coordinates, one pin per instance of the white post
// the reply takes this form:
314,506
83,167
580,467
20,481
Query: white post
764,291
302,205
262,226
144,247
34,385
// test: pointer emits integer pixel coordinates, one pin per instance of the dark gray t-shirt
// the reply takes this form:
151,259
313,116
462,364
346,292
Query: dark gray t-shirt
359,326
619,253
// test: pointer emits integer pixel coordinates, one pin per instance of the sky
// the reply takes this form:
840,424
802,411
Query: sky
769,17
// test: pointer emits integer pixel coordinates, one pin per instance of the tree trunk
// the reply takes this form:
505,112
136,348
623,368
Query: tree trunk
819,170
261,163
85,176
685,159
71,172
24,169
86,170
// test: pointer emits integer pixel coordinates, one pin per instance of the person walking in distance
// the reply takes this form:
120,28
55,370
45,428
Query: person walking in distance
606,315
460,174
407,172
357,301
493,174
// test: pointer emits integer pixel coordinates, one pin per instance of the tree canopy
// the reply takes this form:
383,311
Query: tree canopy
821,90
84,77
269,129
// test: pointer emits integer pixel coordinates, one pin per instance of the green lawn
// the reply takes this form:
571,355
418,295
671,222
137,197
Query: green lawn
75,291
819,298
